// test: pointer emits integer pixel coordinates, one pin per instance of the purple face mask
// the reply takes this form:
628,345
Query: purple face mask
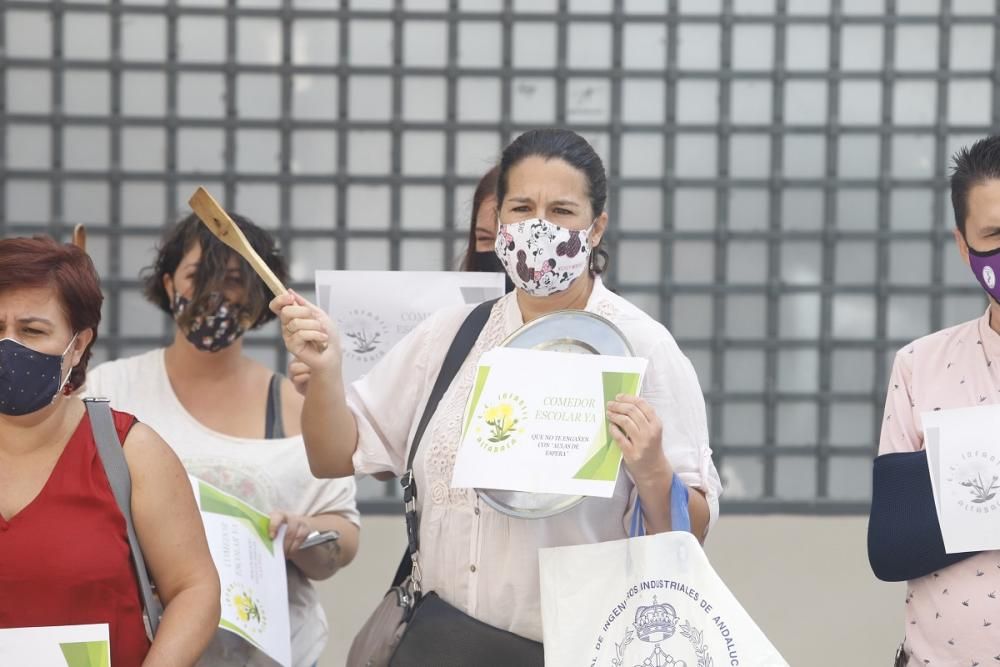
986,266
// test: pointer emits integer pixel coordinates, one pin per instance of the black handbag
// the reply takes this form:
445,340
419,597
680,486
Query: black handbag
439,634
413,628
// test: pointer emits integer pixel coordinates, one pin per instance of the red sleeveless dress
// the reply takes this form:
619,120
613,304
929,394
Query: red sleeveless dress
64,558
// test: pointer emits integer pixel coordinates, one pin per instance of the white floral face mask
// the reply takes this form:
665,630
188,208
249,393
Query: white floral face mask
541,257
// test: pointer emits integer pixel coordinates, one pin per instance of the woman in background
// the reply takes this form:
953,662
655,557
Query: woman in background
235,423
479,254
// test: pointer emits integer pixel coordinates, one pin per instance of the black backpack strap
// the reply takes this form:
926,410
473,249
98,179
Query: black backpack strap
466,337
109,450
274,423
459,350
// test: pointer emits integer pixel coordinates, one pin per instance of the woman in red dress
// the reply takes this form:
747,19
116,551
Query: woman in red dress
64,553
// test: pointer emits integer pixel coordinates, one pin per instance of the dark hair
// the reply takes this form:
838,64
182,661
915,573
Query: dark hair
571,148
972,166
487,187
213,268
66,269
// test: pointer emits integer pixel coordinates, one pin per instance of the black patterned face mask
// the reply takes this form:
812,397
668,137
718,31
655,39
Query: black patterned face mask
222,326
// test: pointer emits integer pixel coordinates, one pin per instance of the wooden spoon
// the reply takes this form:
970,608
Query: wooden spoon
223,227
80,237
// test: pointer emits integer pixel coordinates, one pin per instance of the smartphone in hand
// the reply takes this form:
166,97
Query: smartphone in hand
316,538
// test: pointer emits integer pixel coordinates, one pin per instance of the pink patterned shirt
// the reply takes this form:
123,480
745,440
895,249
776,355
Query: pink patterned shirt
952,615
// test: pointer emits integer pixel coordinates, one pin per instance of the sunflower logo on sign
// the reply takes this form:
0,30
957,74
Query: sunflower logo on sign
247,608
500,422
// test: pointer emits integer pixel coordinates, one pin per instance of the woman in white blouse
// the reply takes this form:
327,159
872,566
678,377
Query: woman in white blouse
551,195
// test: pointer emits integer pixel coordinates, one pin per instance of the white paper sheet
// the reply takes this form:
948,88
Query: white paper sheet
537,421
56,646
963,457
375,309
252,571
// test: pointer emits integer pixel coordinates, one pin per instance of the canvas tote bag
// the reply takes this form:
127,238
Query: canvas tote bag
644,601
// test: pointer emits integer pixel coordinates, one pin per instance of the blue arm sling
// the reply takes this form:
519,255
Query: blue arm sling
904,536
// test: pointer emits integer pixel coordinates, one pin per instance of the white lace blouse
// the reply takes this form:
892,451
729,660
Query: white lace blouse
483,562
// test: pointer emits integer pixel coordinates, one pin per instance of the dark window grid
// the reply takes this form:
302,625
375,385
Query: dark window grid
665,289
773,260
615,133
290,124
292,11
3,134
709,290
285,231
823,445
884,171
113,299
783,183
670,184
172,124
551,73
713,399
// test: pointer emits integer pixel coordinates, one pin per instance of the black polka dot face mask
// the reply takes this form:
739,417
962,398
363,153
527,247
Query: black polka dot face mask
29,380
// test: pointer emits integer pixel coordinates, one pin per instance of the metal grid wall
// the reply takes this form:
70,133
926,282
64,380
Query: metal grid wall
777,169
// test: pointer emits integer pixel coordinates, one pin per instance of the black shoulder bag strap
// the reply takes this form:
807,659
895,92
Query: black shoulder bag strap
453,360
109,449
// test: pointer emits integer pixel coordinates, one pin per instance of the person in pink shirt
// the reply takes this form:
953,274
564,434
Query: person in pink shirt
952,600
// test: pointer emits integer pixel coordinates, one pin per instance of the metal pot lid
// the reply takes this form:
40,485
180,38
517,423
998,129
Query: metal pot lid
575,332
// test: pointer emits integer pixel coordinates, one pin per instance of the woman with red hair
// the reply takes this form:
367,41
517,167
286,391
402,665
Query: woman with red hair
64,550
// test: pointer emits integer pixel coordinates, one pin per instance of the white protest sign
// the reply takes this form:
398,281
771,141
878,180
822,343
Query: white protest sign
56,646
375,309
252,571
963,457
537,421
644,601
932,437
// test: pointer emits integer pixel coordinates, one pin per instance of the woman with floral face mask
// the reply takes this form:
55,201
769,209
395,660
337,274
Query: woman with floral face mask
64,552
234,422
551,192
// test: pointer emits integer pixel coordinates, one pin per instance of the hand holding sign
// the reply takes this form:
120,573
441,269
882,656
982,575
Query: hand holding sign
638,432
296,530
